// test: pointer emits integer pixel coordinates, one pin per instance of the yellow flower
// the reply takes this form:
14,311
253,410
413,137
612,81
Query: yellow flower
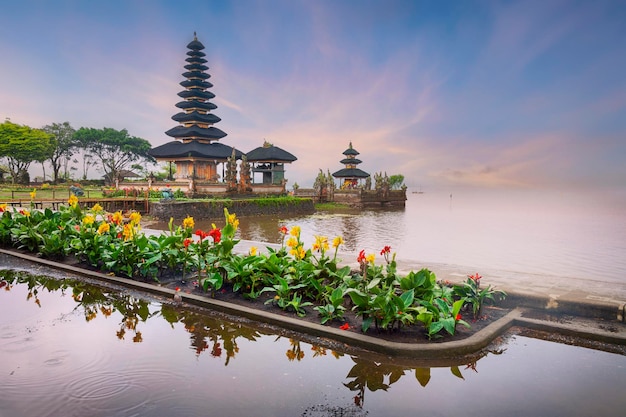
337,241
298,252
33,194
135,218
321,243
371,258
72,201
88,219
232,219
104,228
253,250
292,242
3,207
188,222
128,232
295,231
117,217
25,212
97,208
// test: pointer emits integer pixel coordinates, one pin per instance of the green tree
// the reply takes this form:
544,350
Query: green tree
396,181
64,146
20,145
114,150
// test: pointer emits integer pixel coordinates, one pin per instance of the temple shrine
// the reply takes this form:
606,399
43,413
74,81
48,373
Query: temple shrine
350,175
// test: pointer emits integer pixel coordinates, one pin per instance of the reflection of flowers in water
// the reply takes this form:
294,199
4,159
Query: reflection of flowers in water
217,337
295,352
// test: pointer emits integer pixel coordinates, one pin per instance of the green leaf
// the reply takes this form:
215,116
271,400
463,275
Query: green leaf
456,372
449,324
422,375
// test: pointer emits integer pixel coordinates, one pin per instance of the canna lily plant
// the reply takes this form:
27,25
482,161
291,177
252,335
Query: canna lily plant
296,276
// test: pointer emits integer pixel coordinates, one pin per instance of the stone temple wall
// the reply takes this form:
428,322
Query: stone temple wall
215,209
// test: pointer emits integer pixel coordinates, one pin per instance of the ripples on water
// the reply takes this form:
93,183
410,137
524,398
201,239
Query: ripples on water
571,235
64,354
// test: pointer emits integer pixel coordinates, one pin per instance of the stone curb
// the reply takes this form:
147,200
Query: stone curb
574,305
432,351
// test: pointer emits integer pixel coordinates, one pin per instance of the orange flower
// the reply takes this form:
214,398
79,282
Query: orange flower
475,277
117,218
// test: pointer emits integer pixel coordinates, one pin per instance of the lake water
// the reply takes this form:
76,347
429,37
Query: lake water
70,349
578,235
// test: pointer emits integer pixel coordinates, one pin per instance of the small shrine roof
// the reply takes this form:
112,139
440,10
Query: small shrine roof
350,173
270,154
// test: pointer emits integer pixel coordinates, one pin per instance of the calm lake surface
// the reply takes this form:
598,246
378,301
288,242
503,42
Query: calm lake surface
71,349
576,235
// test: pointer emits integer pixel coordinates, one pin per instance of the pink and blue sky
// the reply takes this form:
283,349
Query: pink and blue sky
516,94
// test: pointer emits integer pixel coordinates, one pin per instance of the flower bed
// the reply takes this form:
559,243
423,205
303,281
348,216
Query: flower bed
292,278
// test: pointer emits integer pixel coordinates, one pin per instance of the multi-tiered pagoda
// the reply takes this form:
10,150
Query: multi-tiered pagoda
196,150
350,174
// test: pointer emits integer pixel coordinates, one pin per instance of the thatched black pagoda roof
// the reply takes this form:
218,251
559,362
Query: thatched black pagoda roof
350,151
350,173
270,153
175,149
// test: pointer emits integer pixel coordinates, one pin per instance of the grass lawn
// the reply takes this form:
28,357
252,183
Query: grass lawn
8,193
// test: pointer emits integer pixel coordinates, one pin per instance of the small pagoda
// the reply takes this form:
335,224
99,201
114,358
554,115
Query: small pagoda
196,150
350,175
268,162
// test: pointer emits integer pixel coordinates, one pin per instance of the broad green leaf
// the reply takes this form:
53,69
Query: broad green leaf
422,375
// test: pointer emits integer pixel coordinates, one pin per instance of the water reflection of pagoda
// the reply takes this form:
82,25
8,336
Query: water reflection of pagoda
350,174
196,150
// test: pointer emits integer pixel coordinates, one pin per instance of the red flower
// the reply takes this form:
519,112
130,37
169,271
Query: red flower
187,242
344,326
283,230
475,277
201,234
361,258
385,250
216,234
458,317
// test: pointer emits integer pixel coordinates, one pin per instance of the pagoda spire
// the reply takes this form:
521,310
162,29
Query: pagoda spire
196,120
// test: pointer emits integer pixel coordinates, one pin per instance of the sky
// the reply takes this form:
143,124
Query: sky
450,94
